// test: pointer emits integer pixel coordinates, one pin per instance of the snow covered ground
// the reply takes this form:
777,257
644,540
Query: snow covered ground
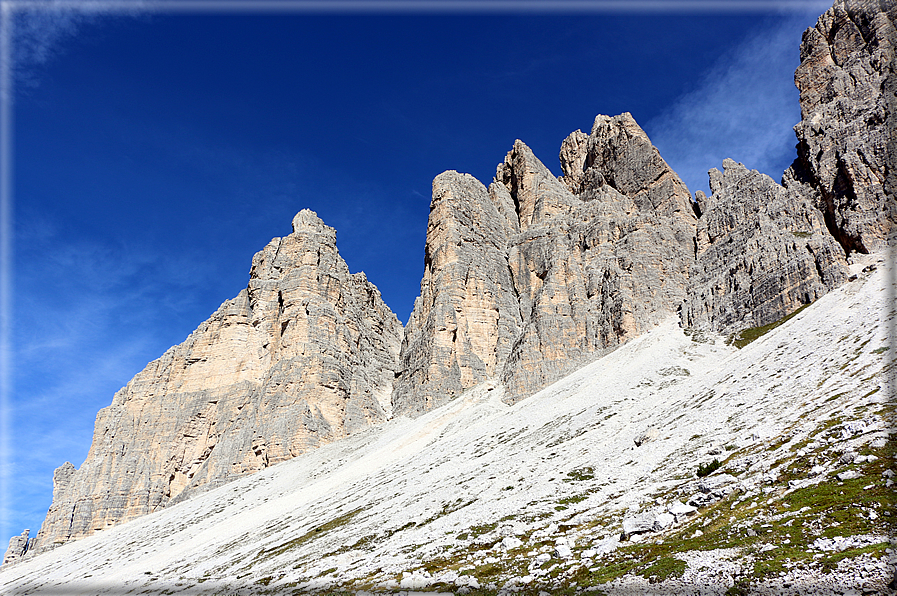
478,495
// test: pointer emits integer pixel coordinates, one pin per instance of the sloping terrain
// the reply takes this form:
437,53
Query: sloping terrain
480,497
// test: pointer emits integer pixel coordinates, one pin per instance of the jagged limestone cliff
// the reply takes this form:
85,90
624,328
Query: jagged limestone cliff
847,149
524,281
761,252
533,277
306,354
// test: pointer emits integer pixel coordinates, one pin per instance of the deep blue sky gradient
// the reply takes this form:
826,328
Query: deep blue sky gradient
155,155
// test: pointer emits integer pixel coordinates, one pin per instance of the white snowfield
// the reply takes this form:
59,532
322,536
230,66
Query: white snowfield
561,466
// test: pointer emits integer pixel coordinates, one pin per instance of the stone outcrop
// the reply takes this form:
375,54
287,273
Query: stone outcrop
535,276
18,546
847,157
524,282
307,353
467,316
762,251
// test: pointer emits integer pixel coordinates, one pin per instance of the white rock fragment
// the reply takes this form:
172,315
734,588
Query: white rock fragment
562,551
848,458
638,524
681,510
663,521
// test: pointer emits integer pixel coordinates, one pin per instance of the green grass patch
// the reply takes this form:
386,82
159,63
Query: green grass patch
482,529
664,568
746,336
580,474
707,469
310,535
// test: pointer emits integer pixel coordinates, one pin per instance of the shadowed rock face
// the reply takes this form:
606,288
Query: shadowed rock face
531,278
762,252
846,145
306,354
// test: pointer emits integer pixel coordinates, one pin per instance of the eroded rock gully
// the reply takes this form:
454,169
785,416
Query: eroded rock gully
848,101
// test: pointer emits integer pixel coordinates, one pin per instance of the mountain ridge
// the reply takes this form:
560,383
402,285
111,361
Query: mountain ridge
525,282
482,495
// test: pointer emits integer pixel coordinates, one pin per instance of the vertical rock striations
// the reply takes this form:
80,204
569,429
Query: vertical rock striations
524,281
846,142
466,318
18,547
599,262
563,269
305,354
762,252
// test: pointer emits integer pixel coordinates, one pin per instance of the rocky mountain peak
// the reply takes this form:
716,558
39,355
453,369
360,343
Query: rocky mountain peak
305,354
564,269
308,221
537,194
618,152
524,282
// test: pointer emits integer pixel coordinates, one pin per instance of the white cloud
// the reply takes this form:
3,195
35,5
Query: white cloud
41,29
744,109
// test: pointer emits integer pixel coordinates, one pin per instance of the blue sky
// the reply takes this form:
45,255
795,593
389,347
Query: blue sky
155,152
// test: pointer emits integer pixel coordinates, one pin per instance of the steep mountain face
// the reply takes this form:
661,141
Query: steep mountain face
533,277
525,281
467,316
762,252
563,491
306,354
846,148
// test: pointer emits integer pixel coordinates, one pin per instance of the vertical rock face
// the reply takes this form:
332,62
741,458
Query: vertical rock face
560,269
846,145
762,252
305,354
462,326
595,267
18,546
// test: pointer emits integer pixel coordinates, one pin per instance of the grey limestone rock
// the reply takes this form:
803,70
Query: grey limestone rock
619,153
638,524
535,276
467,316
762,251
597,268
307,353
18,547
847,156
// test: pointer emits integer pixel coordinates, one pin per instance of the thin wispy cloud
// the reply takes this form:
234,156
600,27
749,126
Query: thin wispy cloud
90,314
744,109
